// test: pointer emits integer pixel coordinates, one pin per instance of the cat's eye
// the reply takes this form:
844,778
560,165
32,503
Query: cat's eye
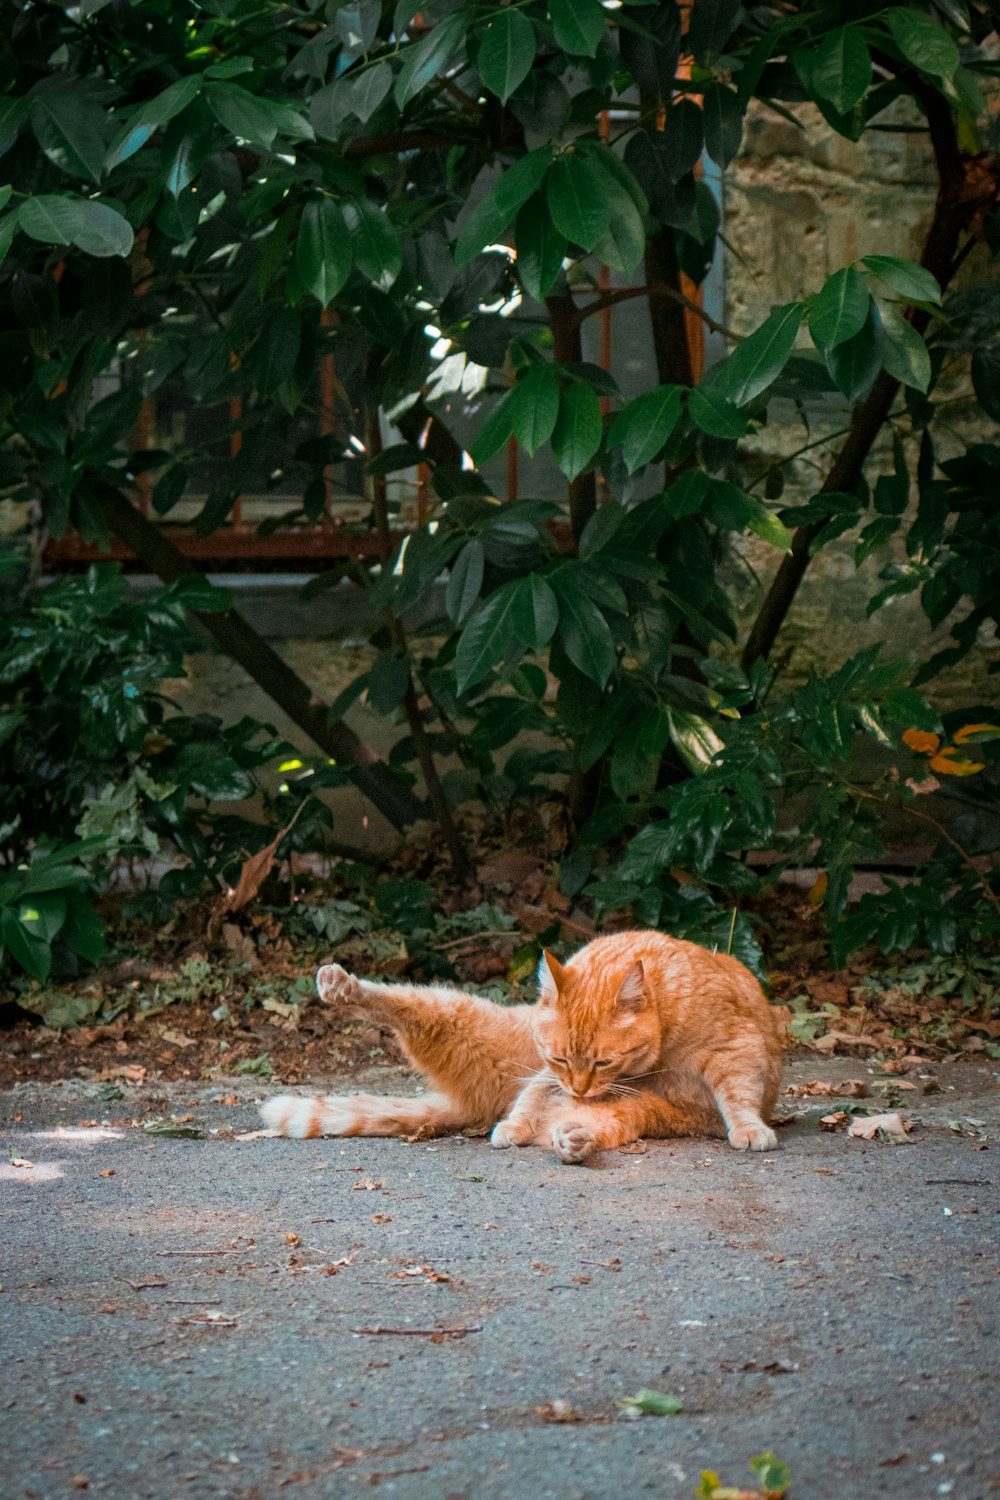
604,1062
560,1062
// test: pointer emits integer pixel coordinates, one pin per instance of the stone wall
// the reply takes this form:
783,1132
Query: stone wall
800,201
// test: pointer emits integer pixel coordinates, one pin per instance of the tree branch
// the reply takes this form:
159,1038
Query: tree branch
963,190
568,350
239,640
626,293
411,705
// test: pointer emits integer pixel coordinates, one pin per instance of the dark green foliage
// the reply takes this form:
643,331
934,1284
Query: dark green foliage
205,204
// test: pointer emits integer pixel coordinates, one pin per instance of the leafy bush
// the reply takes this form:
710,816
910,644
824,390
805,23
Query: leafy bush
89,743
205,207
44,904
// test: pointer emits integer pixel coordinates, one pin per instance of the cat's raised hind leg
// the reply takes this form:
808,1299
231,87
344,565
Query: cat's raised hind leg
477,1053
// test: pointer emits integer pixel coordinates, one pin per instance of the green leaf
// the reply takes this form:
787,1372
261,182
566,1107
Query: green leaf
842,68
715,415
541,249
584,632
579,25
68,127
923,42
241,113
487,637
276,350
506,52
733,509
492,214
378,253
534,407
904,353
579,209
92,227
83,931
905,277
422,60
576,436
623,245
536,612
694,738
759,360
149,117
43,915
465,581
986,379
840,309
645,424
323,253
855,363
32,953
722,116
493,433
368,90
8,229
683,137
652,1404
772,1476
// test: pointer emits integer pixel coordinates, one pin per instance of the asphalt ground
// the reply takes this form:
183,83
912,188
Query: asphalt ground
440,1321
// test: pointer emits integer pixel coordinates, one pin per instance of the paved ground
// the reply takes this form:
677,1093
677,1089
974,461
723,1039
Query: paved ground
206,1318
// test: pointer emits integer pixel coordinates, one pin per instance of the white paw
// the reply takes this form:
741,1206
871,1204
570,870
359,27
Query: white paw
336,987
753,1136
508,1133
573,1143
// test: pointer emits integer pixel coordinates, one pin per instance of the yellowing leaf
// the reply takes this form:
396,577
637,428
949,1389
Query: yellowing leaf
948,763
921,741
818,889
976,732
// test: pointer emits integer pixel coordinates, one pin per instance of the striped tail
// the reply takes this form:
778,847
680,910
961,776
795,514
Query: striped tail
362,1114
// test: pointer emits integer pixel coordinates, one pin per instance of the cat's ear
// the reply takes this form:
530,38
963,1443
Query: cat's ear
632,995
550,978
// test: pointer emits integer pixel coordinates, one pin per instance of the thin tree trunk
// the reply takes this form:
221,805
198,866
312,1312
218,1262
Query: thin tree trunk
411,704
961,194
567,343
268,670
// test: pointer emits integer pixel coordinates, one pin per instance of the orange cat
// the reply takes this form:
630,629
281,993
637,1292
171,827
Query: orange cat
639,1034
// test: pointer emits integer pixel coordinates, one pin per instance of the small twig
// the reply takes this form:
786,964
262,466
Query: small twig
192,1252
474,937
626,293
191,1301
425,1333
966,858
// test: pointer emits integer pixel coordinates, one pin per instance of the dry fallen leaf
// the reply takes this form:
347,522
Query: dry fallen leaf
381,1218
834,1121
366,1185
842,1088
558,1410
892,1126
108,1172
19,1161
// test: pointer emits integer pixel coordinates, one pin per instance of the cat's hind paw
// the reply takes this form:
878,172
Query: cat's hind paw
338,988
573,1143
753,1136
511,1133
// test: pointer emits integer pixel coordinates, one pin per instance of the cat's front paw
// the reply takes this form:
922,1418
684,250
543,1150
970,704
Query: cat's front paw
511,1133
755,1136
573,1143
338,988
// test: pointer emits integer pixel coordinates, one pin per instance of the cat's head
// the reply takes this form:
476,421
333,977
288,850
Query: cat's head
595,1025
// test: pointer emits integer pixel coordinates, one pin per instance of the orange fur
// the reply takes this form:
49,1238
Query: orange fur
639,1034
